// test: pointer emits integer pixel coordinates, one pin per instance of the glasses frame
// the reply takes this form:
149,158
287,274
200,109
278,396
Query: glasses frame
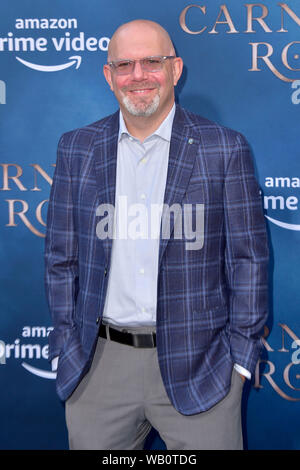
113,64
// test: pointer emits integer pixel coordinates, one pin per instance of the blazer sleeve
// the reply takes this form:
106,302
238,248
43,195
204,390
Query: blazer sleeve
246,256
61,253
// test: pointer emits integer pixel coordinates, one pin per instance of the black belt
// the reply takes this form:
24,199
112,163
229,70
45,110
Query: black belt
139,340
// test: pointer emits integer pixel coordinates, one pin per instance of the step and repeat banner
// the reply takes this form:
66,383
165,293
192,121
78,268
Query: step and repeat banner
242,69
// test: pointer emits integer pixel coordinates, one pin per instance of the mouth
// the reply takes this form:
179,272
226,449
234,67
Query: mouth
141,91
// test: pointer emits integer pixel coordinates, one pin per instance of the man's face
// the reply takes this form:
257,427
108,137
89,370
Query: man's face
143,93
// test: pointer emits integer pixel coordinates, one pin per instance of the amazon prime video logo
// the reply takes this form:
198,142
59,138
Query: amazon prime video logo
282,197
296,94
55,37
2,92
32,346
296,354
139,221
2,353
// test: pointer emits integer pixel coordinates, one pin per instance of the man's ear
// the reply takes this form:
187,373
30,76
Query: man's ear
107,75
177,69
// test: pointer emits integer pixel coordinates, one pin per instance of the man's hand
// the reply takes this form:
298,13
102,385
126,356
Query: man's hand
243,373
242,376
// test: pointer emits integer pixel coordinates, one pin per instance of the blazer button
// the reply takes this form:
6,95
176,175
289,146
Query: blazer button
97,320
105,271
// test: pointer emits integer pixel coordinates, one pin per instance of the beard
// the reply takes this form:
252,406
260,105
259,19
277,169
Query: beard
142,108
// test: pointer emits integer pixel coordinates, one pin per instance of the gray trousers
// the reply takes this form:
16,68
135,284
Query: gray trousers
123,396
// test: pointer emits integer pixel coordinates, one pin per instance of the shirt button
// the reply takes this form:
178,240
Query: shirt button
143,196
143,160
142,270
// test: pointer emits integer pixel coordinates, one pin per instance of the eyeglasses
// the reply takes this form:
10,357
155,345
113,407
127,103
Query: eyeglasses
148,64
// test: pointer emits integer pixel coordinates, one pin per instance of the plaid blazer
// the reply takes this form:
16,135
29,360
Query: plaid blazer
211,302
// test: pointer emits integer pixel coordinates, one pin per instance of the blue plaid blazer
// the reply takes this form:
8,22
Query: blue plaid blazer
211,302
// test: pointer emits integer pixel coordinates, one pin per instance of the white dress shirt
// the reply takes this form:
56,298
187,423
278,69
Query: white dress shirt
140,184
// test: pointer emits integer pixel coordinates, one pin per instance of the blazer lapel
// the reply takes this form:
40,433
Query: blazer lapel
105,155
183,149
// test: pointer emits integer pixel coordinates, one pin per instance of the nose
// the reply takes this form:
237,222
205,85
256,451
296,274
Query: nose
138,73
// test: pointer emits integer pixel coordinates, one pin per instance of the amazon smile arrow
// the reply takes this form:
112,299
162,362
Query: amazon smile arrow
284,224
39,372
75,59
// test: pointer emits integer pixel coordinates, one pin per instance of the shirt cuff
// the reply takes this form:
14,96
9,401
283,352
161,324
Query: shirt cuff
243,371
54,364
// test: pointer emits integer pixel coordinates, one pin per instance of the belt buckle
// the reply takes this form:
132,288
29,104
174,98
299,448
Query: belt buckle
144,340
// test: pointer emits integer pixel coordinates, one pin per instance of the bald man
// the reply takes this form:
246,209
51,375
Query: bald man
155,323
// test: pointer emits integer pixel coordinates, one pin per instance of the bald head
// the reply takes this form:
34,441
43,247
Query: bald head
145,96
139,31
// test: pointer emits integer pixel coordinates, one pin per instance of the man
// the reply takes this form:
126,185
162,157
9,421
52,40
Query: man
153,330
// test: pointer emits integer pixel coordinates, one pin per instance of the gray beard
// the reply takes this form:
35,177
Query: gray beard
137,111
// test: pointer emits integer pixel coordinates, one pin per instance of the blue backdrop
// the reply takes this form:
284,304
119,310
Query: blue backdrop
242,69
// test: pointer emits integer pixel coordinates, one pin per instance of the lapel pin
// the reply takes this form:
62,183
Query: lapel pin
190,141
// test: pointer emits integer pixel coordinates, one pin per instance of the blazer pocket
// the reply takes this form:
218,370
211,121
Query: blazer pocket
209,327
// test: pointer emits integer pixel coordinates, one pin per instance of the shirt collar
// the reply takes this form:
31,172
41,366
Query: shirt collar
164,130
